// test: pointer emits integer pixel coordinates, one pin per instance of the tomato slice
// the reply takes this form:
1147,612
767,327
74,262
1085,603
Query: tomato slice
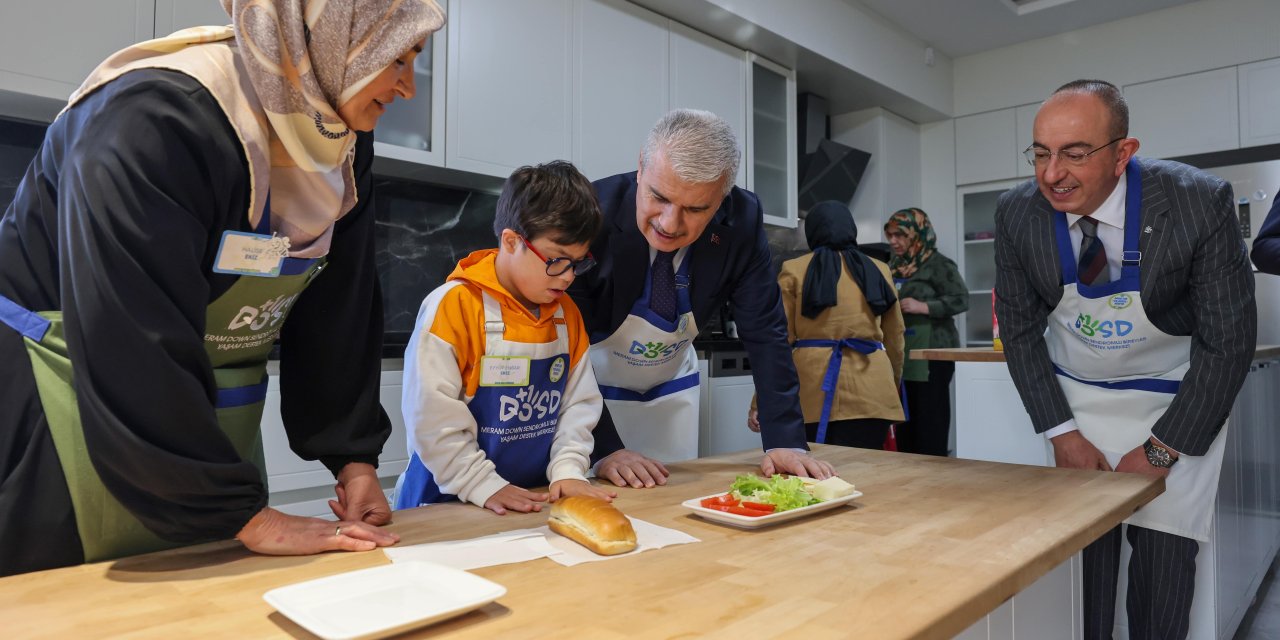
743,511
720,501
760,506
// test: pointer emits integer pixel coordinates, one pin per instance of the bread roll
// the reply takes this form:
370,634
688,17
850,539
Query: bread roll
592,523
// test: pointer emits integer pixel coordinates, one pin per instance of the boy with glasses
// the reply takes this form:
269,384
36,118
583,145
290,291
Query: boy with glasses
499,395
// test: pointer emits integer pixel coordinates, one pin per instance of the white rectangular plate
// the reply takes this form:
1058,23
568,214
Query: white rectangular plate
382,601
752,522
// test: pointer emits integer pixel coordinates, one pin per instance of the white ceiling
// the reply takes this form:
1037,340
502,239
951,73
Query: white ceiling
963,27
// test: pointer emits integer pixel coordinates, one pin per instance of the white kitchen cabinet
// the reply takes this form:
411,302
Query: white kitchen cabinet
48,47
730,401
510,81
302,487
770,147
622,83
987,147
892,177
1025,119
413,130
173,15
711,75
1185,115
1260,103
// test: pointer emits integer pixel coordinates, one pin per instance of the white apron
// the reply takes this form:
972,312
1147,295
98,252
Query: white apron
648,374
1120,373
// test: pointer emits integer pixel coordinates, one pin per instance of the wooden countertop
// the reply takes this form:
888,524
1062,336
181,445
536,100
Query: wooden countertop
987,354
932,546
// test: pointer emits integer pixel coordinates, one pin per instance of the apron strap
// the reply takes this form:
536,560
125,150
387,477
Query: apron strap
494,327
865,347
1155,385
28,323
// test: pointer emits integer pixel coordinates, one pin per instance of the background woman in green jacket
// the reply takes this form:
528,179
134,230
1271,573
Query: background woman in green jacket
930,293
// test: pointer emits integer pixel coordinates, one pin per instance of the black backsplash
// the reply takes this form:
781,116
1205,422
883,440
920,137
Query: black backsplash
19,141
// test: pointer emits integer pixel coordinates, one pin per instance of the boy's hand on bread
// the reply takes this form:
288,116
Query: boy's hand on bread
624,467
513,498
566,488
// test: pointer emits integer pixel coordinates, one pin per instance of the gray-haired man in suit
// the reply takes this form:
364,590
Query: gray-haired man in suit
1126,307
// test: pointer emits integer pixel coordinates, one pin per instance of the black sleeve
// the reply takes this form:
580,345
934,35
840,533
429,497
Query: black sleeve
1266,247
331,345
150,172
607,440
762,325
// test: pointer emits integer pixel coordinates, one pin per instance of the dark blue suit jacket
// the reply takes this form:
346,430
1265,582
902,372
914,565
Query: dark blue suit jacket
730,263
1266,247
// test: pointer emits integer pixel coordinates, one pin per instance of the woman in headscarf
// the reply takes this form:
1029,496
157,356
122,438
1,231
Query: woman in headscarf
846,331
192,189
931,293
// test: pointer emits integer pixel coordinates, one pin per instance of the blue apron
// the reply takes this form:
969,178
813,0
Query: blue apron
515,424
865,347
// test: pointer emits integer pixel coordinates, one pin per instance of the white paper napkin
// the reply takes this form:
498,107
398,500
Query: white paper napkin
648,536
521,545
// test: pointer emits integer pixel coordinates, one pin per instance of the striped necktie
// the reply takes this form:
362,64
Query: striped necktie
662,293
1093,256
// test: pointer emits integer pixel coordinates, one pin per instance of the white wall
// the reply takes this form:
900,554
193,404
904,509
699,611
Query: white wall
892,178
938,184
1188,38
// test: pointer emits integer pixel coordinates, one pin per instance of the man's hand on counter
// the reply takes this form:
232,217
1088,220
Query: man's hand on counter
360,495
273,533
795,462
1072,450
628,468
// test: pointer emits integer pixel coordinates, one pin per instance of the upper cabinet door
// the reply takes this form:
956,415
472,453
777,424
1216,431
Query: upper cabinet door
175,15
711,75
1260,103
622,84
1025,117
1185,115
510,72
48,47
986,147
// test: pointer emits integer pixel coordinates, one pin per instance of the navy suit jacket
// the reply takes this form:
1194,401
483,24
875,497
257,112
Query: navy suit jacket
730,263
1266,247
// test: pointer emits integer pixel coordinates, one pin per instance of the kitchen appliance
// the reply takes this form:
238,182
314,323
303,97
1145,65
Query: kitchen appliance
1255,186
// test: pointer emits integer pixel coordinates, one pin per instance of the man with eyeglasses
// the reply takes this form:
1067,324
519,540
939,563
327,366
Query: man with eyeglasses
1125,302
678,241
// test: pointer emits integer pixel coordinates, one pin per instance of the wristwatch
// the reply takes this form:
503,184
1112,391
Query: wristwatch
1157,455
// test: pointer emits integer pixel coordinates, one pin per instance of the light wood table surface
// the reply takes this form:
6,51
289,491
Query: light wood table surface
932,546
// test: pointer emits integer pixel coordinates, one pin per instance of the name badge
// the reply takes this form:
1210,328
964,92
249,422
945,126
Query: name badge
251,254
504,371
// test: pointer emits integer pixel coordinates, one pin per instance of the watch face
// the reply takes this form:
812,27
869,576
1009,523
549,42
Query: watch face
1158,456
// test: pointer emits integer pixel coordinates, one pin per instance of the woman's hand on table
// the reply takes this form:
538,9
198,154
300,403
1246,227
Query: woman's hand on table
513,498
273,533
360,495
911,305
566,488
628,468
795,462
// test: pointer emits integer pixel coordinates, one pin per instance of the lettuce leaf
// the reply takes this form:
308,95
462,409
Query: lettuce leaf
784,492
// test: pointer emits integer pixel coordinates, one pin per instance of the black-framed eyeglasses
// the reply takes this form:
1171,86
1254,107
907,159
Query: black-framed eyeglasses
557,266
1039,156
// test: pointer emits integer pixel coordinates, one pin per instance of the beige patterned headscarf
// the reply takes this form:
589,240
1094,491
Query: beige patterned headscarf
305,58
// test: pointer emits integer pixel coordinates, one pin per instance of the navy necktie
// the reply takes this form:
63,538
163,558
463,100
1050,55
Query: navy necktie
662,292
1093,268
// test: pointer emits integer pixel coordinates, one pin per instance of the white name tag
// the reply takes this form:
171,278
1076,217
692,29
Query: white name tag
250,254
504,371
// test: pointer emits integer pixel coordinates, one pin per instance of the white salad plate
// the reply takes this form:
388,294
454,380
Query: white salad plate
382,601
752,522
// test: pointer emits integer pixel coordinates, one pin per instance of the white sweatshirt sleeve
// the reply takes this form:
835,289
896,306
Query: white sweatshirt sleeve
579,412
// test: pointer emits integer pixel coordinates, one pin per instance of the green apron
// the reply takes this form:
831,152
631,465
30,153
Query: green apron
918,331
241,326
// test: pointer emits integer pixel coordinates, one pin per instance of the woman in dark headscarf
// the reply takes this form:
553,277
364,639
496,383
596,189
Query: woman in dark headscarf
931,293
843,320
175,223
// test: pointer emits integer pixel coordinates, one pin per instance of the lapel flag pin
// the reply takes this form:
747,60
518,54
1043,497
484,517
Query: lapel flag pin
715,239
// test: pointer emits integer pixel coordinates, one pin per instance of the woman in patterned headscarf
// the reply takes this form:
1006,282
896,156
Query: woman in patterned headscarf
192,189
931,293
